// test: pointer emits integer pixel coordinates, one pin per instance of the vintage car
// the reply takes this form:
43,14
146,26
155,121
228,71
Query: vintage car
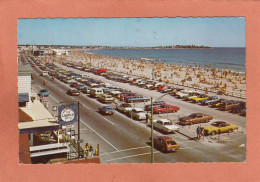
165,143
210,100
106,110
137,113
195,118
219,127
137,98
86,90
175,91
155,104
216,103
80,87
74,84
165,125
73,92
104,98
239,108
191,95
228,105
124,107
183,93
167,89
199,98
44,93
155,86
161,88
165,108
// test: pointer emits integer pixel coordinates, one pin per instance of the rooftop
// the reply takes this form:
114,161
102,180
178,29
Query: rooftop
41,118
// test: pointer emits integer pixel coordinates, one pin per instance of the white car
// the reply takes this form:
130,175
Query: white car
138,113
124,107
165,125
183,93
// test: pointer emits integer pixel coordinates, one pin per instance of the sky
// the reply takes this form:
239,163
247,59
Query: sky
136,32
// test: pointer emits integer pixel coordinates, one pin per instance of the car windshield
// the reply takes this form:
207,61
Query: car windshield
167,123
192,115
171,142
217,124
126,105
44,90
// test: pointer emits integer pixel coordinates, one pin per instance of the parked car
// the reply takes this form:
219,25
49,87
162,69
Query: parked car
183,93
86,90
106,98
228,104
138,98
216,103
219,127
165,125
106,110
243,112
165,108
80,87
138,113
161,87
191,95
74,84
195,118
155,104
199,98
44,93
96,92
168,89
175,91
210,100
73,92
239,108
124,107
165,143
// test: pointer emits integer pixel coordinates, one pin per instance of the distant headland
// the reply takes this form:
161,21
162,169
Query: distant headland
120,47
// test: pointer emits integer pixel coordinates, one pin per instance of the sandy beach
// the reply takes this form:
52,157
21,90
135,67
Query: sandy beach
204,78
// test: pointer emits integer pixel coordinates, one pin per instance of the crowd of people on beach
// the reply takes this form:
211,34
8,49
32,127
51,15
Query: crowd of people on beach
206,76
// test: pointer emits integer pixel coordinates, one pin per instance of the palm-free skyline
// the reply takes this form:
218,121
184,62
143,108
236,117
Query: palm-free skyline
135,32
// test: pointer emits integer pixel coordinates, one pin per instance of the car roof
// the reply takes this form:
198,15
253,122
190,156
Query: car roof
164,137
138,109
219,122
164,120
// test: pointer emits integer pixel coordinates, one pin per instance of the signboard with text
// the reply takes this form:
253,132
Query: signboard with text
68,114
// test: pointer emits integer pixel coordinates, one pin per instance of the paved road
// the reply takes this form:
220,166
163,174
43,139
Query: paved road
123,140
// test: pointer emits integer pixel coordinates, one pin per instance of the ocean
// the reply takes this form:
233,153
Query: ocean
221,58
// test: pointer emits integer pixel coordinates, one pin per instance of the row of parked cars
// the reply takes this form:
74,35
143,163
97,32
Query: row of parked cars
233,106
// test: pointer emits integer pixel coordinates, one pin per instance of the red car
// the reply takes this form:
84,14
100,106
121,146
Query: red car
165,108
160,88
74,84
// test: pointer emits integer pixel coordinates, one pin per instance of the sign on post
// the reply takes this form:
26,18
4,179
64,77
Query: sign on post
68,114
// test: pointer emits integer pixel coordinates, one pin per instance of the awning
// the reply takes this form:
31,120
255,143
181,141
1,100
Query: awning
23,97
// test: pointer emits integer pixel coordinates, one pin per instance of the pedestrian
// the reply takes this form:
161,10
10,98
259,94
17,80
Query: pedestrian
202,132
91,151
198,132
206,91
40,98
86,149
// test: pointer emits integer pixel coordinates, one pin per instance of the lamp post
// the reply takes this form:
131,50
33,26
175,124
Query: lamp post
152,146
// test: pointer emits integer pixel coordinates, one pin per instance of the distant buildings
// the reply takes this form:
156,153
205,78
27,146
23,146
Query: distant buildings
60,52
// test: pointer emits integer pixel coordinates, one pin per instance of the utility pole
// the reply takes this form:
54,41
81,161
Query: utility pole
152,154
78,132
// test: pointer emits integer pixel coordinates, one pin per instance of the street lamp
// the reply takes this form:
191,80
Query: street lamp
152,154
